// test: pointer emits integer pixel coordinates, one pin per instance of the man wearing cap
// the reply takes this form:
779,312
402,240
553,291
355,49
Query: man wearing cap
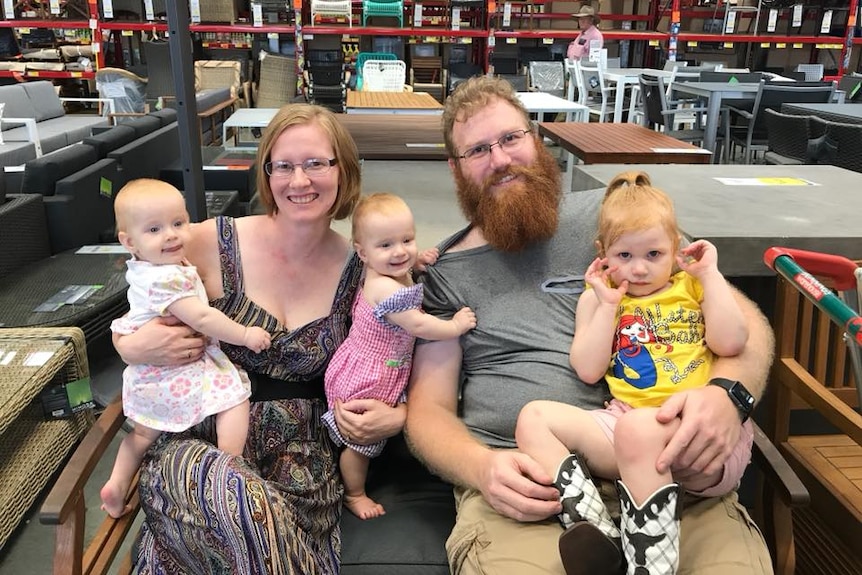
589,38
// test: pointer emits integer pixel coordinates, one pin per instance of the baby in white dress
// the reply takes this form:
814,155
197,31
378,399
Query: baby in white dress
154,226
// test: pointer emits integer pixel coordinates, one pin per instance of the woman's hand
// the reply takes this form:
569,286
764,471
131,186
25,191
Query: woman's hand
367,421
161,341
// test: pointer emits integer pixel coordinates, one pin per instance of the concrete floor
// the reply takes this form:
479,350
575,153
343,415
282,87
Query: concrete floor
428,189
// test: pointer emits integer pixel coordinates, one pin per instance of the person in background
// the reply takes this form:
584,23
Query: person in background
589,38
520,265
277,508
374,361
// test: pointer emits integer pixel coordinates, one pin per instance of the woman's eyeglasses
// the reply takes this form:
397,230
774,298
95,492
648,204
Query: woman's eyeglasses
311,167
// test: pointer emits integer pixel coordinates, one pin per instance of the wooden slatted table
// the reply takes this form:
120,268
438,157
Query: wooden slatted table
392,103
608,143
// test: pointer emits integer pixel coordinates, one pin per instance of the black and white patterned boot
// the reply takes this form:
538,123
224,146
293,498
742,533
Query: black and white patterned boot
651,531
590,543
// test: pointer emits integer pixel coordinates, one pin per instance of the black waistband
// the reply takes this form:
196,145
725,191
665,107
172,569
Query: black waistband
265,388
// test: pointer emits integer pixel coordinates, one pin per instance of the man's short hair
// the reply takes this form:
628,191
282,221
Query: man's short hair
472,95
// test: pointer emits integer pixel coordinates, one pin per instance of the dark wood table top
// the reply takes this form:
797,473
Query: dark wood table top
396,136
610,143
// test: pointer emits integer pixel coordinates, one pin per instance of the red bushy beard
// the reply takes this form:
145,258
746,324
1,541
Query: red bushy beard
526,212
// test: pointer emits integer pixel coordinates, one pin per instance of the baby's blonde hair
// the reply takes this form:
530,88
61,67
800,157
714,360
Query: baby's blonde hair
131,195
382,203
632,204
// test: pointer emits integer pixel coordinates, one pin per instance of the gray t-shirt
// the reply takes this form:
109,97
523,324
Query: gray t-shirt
525,304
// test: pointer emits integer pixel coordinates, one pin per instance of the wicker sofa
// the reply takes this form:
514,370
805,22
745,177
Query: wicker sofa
34,121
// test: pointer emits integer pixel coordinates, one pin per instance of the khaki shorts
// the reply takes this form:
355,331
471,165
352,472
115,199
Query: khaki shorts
717,537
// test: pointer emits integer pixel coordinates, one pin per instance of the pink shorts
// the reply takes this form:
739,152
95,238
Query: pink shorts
734,467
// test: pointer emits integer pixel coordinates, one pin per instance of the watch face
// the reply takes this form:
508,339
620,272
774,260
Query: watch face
745,399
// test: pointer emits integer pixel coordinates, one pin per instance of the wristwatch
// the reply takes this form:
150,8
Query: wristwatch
740,396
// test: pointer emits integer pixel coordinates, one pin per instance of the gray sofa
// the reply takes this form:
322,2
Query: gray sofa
34,121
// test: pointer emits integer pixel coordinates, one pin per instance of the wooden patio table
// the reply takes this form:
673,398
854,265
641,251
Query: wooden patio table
392,103
608,143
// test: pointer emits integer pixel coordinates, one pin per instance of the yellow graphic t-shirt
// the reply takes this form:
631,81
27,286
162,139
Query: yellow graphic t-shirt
659,347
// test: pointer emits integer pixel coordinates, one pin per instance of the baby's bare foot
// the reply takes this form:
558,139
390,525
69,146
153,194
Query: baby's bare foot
363,506
114,500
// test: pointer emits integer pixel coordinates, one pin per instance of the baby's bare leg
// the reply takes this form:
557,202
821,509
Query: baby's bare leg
639,440
354,470
129,456
232,428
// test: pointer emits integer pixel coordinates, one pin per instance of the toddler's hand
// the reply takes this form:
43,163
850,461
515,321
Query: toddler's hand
256,339
698,258
598,276
465,319
426,258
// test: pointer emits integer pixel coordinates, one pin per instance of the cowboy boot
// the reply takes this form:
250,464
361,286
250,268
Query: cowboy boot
651,531
590,543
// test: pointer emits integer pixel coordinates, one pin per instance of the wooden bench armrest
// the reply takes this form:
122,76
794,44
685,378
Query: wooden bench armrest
778,472
65,506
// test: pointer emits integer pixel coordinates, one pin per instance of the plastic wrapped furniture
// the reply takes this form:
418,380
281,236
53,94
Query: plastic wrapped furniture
817,370
386,8
325,77
384,75
332,9
127,90
547,77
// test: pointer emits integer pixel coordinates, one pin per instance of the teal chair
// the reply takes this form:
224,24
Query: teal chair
390,8
363,56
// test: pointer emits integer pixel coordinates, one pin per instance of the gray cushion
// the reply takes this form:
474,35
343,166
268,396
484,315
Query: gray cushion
144,125
165,115
110,140
206,99
18,105
45,100
41,174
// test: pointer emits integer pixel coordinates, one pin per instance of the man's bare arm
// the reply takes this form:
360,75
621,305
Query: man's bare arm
434,431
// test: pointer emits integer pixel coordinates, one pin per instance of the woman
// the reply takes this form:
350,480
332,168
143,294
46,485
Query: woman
589,37
276,509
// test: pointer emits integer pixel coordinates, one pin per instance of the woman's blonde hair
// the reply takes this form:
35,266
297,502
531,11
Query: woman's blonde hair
632,204
342,144
380,203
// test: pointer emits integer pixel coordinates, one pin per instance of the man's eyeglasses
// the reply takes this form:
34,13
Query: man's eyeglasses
312,167
509,142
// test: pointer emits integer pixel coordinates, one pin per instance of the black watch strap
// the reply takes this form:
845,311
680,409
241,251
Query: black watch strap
739,395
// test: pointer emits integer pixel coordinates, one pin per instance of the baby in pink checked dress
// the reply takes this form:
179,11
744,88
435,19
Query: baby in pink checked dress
154,226
374,361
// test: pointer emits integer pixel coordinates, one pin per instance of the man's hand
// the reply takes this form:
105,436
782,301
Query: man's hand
708,432
366,421
515,485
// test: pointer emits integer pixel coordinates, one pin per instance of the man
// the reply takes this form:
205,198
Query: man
520,266
589,38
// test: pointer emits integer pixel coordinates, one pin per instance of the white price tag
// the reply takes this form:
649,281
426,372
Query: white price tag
796,18
456,17
730,22
492,41
149,13
195,7
9,9
772,21
54,6
417,14
826,25
108,8
507,14
257,15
